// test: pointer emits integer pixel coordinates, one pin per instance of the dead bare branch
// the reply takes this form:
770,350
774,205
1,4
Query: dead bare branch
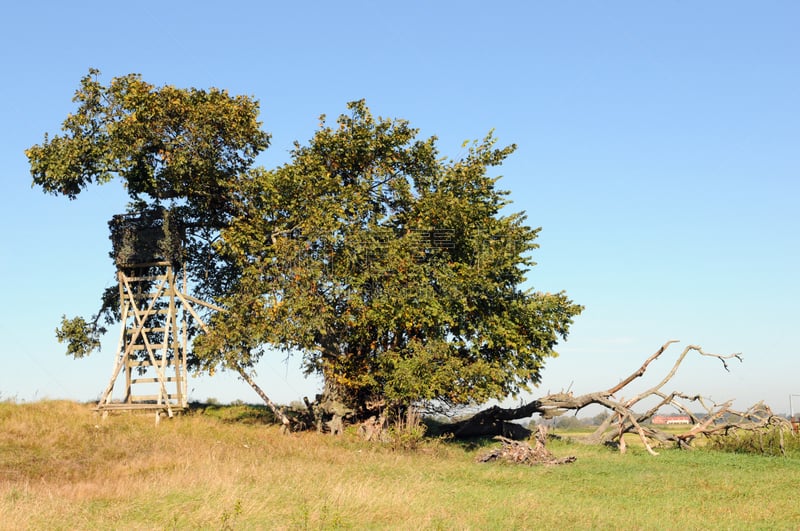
715,418
641,370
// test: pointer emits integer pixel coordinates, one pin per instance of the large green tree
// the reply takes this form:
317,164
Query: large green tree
393,271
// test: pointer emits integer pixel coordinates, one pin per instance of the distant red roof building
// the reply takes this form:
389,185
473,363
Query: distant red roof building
671,419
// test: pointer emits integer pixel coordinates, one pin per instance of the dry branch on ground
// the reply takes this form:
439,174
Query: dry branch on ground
520,452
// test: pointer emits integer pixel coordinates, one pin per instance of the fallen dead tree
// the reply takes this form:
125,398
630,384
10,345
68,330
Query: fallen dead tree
622,419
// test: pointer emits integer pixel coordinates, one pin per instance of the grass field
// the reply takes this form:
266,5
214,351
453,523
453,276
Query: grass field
61,467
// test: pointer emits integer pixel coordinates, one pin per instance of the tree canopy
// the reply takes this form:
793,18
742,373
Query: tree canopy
391,269
165,143
396,273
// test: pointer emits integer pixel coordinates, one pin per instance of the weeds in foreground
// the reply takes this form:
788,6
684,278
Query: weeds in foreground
408,431
228,518
774,441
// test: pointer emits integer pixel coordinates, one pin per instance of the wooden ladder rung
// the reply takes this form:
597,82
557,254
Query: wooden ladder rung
147,363
147,296
147,313
155,346
154,330
153,380
145,398
146,278
126,406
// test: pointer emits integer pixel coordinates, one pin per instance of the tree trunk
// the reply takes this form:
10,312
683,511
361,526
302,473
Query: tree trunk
495,421
278,412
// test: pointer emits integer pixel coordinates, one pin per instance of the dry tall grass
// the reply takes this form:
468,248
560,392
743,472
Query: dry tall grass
62,468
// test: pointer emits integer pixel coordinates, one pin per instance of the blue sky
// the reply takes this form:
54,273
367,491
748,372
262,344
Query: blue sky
658,150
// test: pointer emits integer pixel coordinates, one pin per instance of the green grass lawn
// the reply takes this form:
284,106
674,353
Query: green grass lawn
61,467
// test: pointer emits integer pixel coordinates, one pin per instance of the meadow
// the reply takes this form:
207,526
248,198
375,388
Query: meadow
62,467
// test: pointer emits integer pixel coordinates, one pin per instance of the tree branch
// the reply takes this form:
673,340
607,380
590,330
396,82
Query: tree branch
717,419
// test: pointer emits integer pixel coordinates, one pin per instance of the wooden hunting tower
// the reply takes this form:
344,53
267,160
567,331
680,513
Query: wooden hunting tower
154,308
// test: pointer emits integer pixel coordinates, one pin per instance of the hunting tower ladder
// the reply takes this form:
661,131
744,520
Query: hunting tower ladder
151,355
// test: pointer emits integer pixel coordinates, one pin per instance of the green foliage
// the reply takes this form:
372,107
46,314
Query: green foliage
179,154
163,142
81,337
391,269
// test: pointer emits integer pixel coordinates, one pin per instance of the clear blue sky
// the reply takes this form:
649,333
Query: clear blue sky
659,149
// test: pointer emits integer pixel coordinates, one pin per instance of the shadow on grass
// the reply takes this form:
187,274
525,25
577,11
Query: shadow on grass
234,413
